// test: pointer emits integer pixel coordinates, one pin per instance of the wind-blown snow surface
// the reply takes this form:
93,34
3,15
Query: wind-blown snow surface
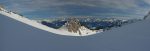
17,36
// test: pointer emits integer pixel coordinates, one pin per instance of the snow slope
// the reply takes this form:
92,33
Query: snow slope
43,27
17,36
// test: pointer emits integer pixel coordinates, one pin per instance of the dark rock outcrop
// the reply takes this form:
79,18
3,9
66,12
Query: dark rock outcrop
73,25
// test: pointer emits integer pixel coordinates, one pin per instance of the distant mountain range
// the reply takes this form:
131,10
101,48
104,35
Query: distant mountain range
72,25
93,24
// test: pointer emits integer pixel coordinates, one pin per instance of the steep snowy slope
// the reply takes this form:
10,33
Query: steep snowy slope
17,36
72,28
41,26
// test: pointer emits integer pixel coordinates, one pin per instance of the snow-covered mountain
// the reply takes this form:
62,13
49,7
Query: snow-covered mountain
86,26
17,36
71,27
39,25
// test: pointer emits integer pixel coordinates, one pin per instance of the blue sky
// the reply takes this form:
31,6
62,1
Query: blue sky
50,8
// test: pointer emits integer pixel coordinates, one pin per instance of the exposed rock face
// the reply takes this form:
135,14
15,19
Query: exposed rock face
147,16
73,25
1,7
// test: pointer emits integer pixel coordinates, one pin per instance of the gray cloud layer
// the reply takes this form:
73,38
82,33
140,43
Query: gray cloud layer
35,5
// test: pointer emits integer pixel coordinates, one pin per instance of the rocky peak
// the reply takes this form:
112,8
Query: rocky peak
73,25
148,15
1,7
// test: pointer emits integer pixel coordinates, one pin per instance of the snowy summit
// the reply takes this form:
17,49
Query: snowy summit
71,26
